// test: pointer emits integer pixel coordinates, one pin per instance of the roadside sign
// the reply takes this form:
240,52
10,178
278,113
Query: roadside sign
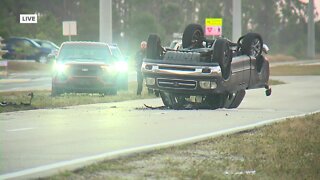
213,30
213,27
213,21
69,28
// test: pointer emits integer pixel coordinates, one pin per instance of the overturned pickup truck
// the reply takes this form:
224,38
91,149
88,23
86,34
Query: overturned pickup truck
210,73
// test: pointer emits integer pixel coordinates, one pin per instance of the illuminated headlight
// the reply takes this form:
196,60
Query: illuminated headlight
150,81
208,84
104,67
121,66
60,67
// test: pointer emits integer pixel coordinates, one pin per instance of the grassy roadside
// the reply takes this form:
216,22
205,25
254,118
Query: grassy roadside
43,99
16,66
285,150
295,70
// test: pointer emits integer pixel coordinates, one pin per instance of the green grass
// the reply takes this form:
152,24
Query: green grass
275,82
285,150
295,70
43,99
16,66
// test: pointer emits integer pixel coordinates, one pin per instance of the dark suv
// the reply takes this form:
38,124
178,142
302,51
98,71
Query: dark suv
85,67
25,48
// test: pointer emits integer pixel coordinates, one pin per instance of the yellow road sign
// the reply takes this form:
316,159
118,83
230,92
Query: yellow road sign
213,21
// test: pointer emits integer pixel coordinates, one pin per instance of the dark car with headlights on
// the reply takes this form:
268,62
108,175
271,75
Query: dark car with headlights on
25,48
85,67
47,44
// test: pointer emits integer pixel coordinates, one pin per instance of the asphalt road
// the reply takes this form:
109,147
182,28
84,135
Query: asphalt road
36,140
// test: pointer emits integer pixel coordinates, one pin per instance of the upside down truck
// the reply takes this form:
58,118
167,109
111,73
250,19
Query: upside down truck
209,73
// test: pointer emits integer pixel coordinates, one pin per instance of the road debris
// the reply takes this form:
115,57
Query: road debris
249,172
5,103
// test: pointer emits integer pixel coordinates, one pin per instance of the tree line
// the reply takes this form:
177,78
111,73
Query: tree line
282,23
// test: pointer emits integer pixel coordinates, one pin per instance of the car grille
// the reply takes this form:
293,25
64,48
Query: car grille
177,84
177,68
85,70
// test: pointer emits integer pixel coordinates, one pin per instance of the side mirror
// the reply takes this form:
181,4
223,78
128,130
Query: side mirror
265,48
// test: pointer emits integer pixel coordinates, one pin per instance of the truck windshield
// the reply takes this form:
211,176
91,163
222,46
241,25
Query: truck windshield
83,52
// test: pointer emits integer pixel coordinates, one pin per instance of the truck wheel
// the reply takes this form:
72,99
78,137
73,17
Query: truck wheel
154,49
233,100
172,101
55,91
222,55
192,36
252,45
111,91
215,101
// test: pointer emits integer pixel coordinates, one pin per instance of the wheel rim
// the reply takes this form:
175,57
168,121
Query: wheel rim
255,48
196,36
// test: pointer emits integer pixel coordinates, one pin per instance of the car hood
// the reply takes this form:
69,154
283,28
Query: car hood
85,63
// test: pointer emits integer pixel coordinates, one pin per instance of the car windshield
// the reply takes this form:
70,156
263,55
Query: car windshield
84,52
47,44
34,43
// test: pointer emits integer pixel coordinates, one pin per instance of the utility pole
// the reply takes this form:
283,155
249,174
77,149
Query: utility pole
311,32
236,20
105,21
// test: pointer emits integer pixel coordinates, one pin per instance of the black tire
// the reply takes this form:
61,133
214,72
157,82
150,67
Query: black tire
111,91
223,55
193,36
154,49
172,101
233,100
215,101
55,91
252,45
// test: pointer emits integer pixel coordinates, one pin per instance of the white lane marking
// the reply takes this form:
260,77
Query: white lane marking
21,129
146,148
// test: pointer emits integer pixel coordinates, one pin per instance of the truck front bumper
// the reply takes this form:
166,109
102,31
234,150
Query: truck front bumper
183,79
